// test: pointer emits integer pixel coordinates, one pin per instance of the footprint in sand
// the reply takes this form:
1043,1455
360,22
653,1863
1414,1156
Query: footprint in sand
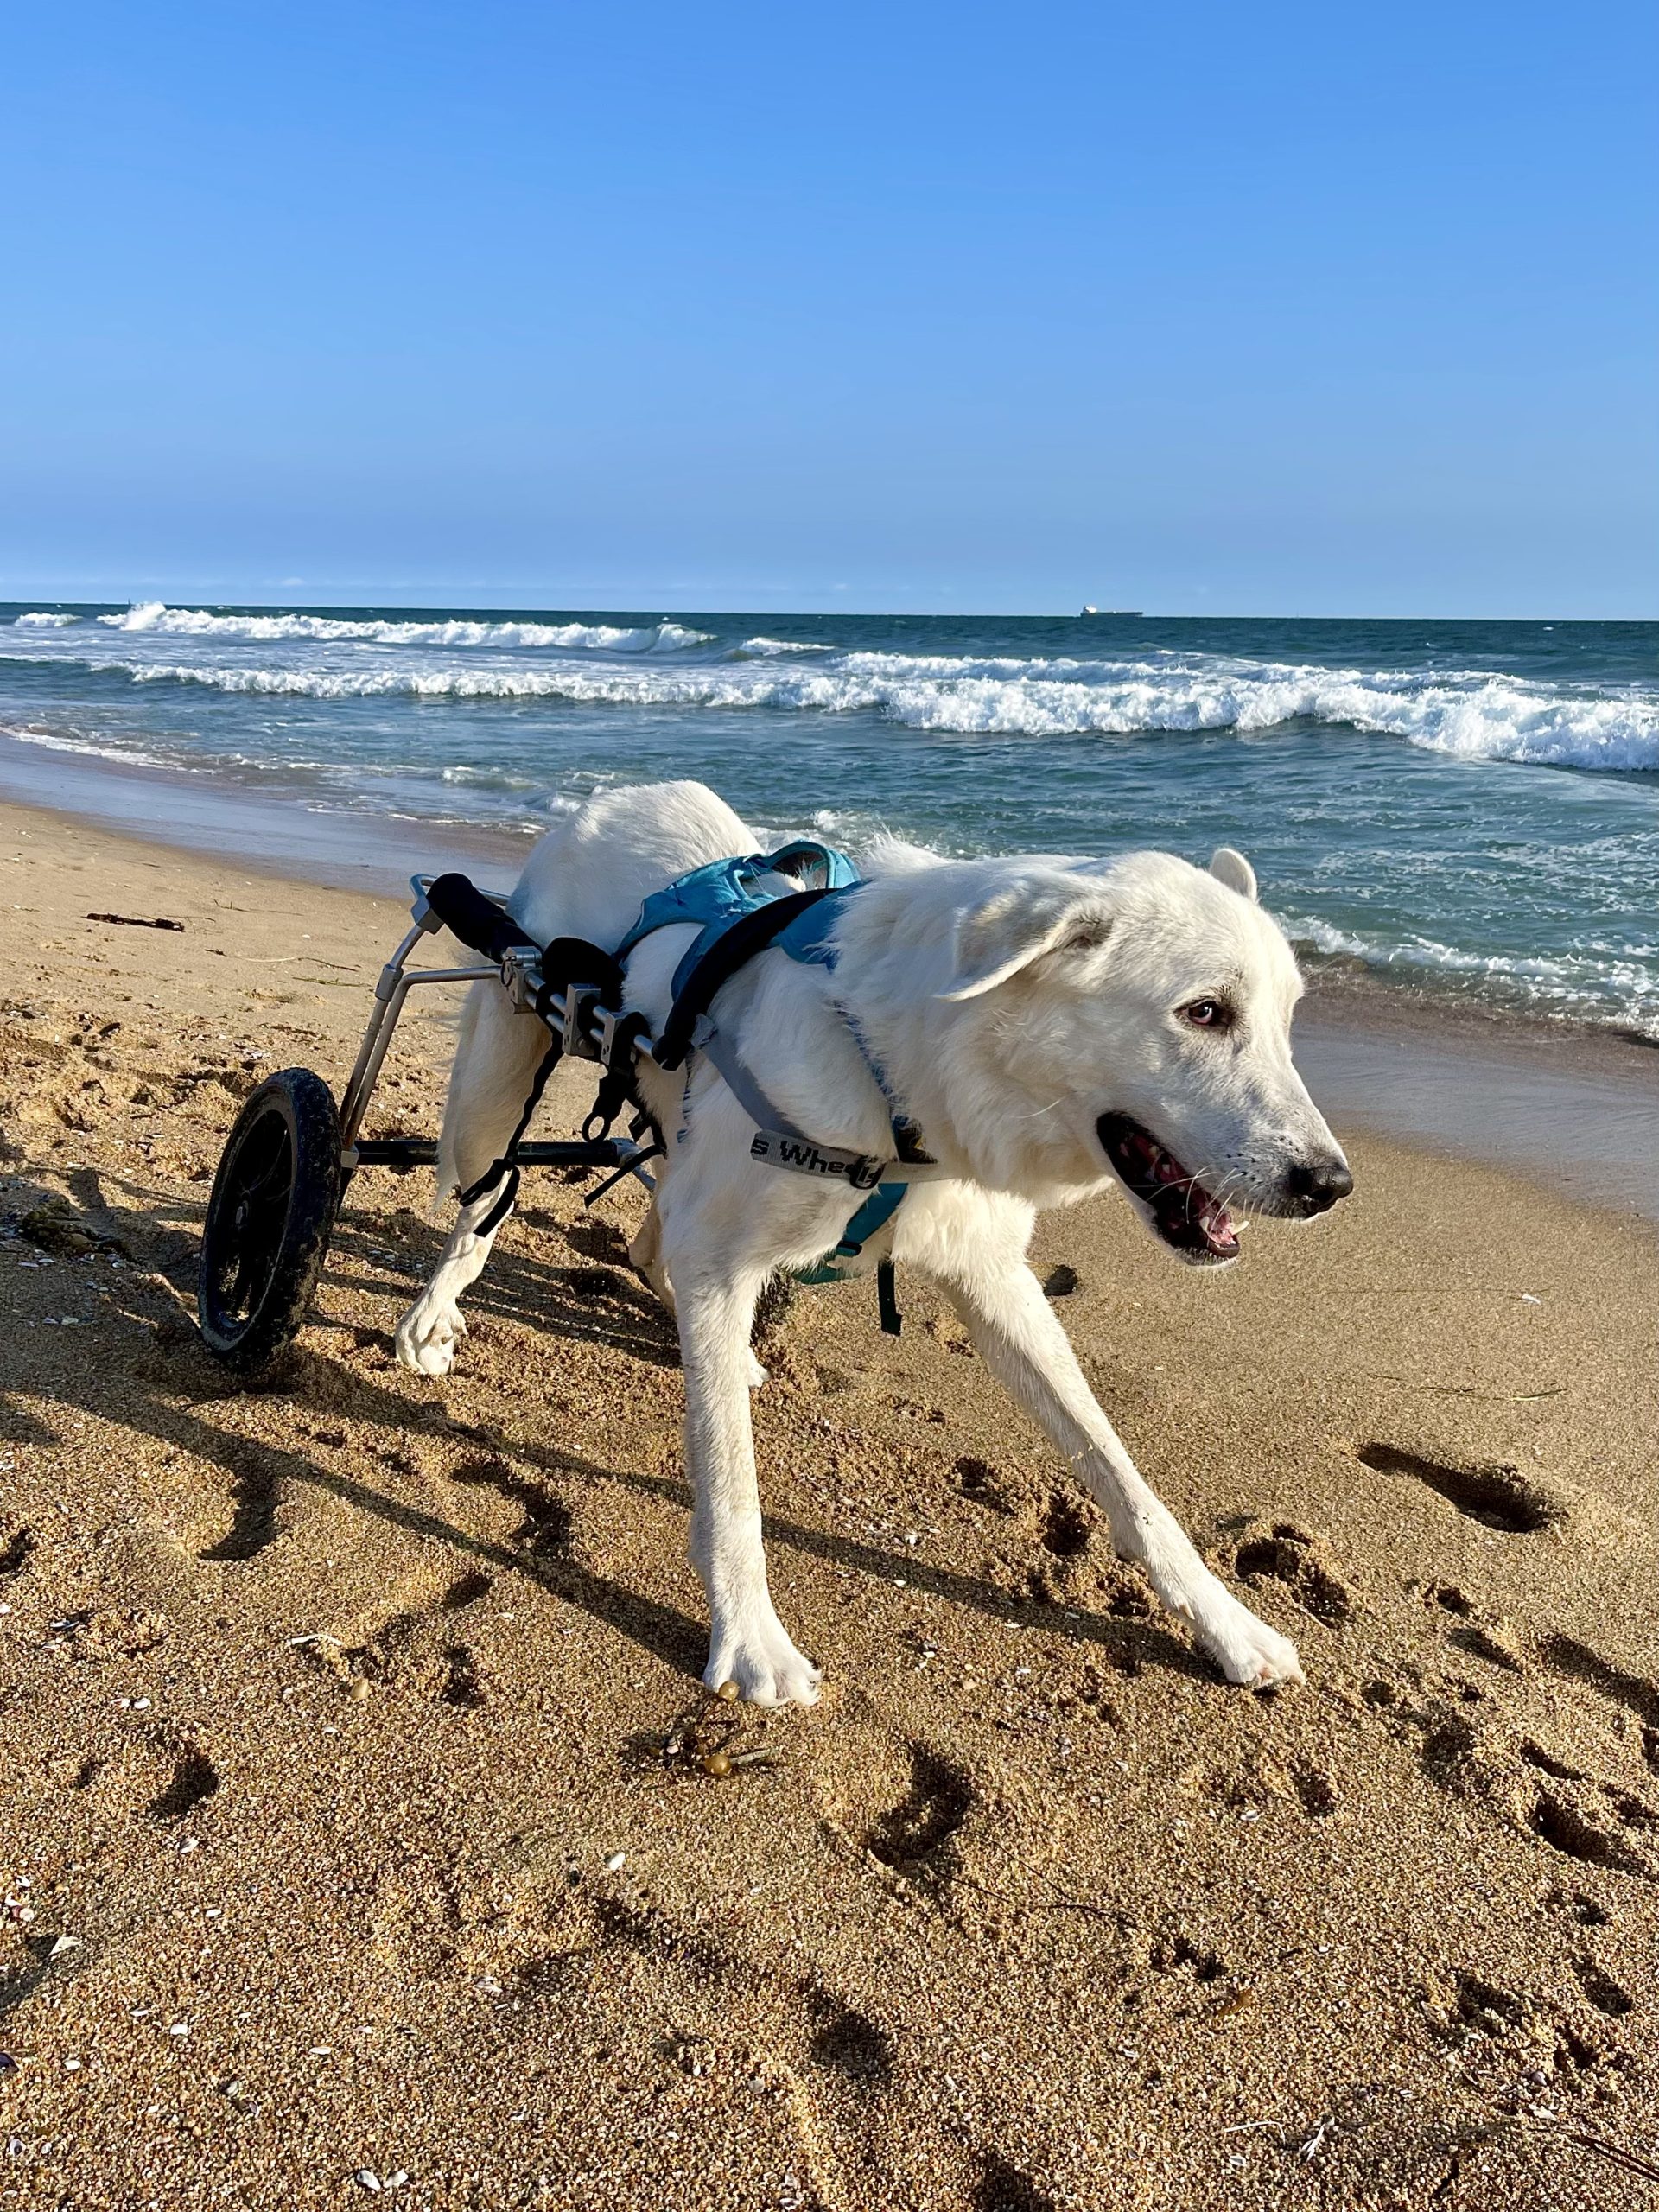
1576,1662
1301,1563
546,1525
1067,1525
1003,2188
1487,1637
844,2040
1582,1817
195,1779
978,1481
257,1492
1177,1953
1499,1497
164,1773
1607,1995
913,1836
1468,2009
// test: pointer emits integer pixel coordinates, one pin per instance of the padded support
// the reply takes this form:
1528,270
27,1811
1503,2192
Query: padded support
477,921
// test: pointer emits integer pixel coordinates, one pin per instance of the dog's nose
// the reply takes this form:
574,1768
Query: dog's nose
1317,1185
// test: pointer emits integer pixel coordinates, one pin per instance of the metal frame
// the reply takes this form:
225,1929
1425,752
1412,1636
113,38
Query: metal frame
584,1029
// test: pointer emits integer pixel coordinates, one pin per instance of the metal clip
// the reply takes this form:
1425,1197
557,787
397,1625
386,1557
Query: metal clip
609,1019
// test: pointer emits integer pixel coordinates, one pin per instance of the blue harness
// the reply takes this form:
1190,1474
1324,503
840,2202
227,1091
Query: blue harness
711,899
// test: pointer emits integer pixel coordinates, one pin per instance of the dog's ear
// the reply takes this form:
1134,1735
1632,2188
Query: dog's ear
1232,868
1018,924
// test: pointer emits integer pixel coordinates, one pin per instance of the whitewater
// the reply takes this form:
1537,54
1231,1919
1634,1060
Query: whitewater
1467,807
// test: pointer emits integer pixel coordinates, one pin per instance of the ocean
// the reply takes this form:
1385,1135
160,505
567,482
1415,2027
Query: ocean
1463,808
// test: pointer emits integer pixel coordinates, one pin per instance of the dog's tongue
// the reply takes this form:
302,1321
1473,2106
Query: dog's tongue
1220,1233
1190,1198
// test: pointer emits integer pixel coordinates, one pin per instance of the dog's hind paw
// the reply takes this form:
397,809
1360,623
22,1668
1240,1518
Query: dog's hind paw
765,1665
1247,1650
428,1336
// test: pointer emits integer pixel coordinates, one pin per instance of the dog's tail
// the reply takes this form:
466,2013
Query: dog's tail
886,854
497,1053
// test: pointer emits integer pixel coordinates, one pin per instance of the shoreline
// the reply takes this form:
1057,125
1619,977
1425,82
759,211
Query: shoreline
1571,1105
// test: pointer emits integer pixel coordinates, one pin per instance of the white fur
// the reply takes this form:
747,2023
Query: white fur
1012,1002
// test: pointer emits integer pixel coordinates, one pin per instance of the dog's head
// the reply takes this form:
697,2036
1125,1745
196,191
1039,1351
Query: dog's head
1141,1010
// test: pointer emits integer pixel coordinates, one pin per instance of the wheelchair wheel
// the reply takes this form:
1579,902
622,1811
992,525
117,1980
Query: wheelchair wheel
269,1220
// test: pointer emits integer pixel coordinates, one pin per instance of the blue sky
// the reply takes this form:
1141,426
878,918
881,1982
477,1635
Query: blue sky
1286,309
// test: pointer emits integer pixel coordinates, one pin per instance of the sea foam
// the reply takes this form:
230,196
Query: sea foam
1475,715
155,618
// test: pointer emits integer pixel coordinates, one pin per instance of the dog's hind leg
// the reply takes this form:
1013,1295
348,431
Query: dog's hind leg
748,1644
496,1059
1024,1345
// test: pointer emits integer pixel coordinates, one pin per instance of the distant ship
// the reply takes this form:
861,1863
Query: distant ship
1124,613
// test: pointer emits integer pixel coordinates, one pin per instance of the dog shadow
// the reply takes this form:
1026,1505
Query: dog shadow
169,1384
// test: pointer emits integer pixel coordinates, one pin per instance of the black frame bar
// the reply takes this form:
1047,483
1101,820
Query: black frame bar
402,1153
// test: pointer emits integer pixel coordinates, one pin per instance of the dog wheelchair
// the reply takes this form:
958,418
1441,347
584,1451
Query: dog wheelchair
292,1153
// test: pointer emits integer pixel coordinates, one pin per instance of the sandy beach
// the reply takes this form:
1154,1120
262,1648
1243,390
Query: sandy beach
340,1854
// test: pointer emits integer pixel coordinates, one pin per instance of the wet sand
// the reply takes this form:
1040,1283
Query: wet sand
339,1846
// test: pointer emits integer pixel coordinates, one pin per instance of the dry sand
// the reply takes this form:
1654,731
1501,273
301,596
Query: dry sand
336,1847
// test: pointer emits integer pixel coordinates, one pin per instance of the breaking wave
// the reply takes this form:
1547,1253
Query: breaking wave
154,618
44,621
1474,715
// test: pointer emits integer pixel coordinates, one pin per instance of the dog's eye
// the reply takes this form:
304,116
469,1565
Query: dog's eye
1208,1014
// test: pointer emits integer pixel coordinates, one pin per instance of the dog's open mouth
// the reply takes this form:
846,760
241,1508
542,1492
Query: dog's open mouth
1188,1219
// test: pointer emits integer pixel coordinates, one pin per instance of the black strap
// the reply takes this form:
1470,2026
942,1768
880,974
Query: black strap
507,1163
751,934
655,1150
567,960
887,1299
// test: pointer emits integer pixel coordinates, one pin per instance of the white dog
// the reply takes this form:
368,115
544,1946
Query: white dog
1048,1023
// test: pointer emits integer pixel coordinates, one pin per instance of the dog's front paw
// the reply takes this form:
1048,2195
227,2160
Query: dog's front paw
763,1662
1246,1649
428,1336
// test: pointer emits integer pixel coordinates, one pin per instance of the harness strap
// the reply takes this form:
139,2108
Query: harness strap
872,1217
749,935
567,960
507,1164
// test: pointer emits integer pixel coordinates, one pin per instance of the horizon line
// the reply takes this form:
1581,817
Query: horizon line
45,603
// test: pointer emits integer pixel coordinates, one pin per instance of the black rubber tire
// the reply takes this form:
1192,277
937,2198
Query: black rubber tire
269,1220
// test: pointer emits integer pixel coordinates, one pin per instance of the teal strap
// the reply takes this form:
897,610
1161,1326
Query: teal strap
873,1215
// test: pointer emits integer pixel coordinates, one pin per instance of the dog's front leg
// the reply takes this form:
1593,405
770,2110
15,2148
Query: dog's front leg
1024,1345
747,1645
